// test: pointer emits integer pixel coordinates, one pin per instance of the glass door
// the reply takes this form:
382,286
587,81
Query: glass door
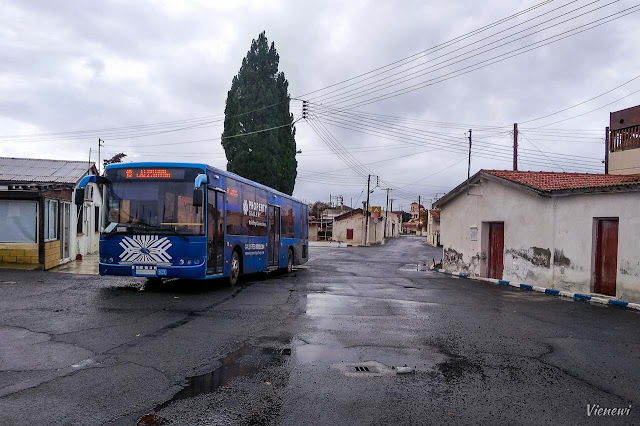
274,235
215,232
65,235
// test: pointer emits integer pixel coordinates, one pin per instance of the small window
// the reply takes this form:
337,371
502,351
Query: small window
96,219
50,220
349,234
20,219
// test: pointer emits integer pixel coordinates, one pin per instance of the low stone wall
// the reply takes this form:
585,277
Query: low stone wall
19,253
51,254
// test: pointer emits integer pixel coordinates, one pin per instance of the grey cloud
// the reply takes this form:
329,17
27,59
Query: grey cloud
189,58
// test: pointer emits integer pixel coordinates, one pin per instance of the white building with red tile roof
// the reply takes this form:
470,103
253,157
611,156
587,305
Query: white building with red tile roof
569,231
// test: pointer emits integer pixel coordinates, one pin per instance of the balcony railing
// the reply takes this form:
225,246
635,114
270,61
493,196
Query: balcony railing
623,139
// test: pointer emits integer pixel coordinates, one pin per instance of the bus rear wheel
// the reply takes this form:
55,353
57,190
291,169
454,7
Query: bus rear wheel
290,261
234,269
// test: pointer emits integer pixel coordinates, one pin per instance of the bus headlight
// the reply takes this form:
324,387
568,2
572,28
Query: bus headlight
182,261
189,262
111,260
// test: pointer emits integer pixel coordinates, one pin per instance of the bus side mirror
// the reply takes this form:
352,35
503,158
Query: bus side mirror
79,200
198,195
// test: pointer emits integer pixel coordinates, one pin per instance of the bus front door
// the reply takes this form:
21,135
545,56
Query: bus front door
273,251
215,232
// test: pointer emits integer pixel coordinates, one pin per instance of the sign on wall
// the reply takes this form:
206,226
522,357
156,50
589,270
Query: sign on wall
376,211
474,233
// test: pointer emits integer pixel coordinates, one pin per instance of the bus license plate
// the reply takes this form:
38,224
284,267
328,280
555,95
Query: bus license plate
145,271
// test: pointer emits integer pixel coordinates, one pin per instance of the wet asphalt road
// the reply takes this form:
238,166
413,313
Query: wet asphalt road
283,349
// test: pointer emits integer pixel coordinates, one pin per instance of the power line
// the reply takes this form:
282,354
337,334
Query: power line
589,112
580,103
404,130
496,59
411,140
473,50
532,144
262,130
121,134
458,38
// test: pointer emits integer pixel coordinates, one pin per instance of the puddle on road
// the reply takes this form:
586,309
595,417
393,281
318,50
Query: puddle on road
245,361
233,365
313,353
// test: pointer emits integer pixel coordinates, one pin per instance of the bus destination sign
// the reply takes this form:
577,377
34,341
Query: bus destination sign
148,174
151,173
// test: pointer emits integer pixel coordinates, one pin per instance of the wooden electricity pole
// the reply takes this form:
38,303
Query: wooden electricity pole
515,146
606,151
366,214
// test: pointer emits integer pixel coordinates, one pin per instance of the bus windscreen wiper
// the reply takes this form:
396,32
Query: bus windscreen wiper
174,232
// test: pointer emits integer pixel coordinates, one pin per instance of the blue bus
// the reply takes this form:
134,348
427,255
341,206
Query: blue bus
183,220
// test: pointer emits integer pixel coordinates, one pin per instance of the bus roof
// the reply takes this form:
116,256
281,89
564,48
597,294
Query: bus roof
203,167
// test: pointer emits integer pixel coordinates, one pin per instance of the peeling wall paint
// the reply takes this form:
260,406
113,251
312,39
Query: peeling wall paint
559,259
535,255
454,261
630,268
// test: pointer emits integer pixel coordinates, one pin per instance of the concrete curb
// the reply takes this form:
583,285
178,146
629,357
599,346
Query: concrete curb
327,244
575,296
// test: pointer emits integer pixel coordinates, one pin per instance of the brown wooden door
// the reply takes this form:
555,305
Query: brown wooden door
496,249
606,257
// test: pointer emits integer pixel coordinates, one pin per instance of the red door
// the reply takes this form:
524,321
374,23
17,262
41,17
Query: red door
496,249
349,234
606,257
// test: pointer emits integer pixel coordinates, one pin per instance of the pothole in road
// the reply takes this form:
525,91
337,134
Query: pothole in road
245,361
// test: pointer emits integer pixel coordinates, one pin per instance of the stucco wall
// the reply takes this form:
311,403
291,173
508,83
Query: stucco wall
354,222
313,232
376,230
393,231
624,162
547,241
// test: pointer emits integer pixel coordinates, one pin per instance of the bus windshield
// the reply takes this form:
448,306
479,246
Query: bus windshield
151,201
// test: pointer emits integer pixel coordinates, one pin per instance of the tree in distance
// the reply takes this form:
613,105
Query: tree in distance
259,100
115,159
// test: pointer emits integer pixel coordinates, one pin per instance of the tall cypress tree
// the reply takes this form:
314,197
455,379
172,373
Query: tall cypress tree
259,100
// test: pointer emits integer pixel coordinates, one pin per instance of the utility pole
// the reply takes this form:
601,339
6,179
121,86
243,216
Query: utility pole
606,151
515,147
100,142
469,167
386,206
391,200
419,218
89,168
366,213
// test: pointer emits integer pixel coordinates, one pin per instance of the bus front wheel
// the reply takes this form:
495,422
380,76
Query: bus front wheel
234,269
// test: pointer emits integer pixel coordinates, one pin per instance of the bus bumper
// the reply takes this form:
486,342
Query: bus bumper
188,272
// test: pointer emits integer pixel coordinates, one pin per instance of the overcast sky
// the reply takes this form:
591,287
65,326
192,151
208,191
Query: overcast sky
70,66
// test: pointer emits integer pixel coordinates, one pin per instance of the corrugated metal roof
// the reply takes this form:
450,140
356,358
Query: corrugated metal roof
27,170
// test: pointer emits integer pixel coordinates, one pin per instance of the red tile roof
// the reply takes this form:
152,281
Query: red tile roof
435,214
552,181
